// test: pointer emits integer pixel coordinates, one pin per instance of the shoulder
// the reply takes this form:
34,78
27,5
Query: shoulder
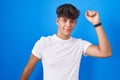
45,39
81,41
77,39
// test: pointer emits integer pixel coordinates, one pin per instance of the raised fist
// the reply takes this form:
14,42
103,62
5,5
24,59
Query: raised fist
92,16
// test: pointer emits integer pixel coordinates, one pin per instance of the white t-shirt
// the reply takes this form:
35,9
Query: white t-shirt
60,58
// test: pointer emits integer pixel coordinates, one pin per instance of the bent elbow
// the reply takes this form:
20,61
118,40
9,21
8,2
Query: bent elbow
110,53
107,55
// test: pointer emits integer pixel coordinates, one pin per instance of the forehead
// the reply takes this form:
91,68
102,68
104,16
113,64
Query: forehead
66,18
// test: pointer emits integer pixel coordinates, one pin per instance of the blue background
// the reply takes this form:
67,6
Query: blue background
23,22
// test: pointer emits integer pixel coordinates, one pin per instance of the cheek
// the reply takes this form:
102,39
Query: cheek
73,26
60,25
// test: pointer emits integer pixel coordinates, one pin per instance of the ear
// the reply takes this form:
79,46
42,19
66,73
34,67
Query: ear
75,22
57,20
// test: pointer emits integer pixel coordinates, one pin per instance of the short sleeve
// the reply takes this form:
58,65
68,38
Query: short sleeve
86,44
38,47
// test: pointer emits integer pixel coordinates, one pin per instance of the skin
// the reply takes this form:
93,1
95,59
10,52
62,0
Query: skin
65,27
103,49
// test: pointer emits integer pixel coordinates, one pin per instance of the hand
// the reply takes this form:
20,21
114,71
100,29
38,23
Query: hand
92,16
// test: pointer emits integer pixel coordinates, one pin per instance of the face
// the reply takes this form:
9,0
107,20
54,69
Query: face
65,26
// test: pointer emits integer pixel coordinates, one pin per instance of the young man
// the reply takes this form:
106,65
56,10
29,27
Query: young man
61,53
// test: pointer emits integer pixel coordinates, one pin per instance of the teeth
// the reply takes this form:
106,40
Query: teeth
67,28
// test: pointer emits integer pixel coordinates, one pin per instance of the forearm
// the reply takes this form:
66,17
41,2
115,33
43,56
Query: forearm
103,49
104,44
25,75
29,67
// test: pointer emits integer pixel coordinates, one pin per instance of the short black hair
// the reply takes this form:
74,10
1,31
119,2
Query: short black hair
68,11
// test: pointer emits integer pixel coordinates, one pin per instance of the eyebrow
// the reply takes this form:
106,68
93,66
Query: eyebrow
68,18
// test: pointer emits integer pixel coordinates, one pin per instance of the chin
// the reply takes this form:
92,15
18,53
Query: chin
67,33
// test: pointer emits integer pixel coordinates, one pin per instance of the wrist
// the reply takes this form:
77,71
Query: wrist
98,24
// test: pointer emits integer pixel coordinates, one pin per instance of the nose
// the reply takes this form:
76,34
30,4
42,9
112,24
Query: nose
68,24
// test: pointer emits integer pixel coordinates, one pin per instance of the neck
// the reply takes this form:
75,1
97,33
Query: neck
64,37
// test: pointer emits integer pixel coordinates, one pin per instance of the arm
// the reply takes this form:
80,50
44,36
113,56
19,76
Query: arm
103,49
29,67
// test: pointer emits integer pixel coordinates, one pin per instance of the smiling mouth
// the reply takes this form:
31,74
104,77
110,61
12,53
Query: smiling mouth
67,29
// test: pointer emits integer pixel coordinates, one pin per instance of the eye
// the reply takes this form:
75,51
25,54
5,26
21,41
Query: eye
72,21
64,20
